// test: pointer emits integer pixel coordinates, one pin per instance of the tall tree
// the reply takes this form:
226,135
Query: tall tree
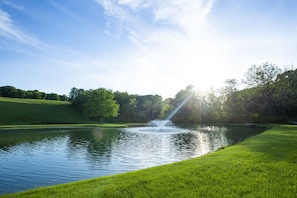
228,95
74,93
286,94
100,104
262,78
262,75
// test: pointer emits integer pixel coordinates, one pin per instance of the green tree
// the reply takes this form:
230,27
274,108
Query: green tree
286,94
152,106
262,75
100,104
165,108
52,96
228,93
127,111
74,93
262,79
63,97
9,91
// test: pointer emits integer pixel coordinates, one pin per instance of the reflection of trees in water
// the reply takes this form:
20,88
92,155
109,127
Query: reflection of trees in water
201,140
217,138
94,144
97,145
185,141
31,137
211,138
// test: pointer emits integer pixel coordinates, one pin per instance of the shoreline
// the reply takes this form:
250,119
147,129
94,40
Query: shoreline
262,165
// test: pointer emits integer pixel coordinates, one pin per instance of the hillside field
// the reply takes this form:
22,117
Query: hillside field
15,111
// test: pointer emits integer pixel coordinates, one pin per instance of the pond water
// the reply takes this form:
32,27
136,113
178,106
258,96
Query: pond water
32,158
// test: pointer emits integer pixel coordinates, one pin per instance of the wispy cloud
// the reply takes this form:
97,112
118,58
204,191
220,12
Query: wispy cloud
9,30
15,6
163,19
186,14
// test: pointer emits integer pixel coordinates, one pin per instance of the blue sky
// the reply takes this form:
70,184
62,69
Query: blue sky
141,46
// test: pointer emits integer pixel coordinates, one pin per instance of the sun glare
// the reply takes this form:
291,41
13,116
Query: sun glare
198,65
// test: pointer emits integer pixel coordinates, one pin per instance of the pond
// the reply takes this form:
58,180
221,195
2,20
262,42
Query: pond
31,158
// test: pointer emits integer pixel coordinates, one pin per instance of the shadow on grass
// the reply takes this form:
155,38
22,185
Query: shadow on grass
280,143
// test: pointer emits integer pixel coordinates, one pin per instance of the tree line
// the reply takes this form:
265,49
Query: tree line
269,95
12,92
116,106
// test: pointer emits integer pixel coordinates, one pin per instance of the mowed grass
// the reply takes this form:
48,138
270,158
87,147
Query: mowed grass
14,111
261,166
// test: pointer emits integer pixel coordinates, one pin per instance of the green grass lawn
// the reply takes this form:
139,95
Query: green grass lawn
261,166
15,111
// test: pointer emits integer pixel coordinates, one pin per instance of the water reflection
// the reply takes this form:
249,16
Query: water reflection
41,157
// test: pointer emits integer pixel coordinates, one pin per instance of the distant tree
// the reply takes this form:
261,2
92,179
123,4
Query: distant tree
228,93
20,93
165,108
211,102
42,95
74,93
52,96
78,98
152,107
63,97
35,94
100,104
9,91
231,86
127,110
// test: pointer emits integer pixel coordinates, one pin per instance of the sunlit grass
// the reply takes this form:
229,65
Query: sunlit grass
16,111
261,166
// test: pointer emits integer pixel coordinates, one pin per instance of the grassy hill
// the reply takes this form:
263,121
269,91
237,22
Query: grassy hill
30,111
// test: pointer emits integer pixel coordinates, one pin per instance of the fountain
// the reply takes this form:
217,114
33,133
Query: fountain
163,125
167,125
160,123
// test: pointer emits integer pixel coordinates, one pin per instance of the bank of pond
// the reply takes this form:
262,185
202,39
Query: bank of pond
261,165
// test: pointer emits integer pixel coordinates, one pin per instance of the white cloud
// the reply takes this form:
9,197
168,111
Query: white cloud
183,46
134,4
184,13
9,30
173,38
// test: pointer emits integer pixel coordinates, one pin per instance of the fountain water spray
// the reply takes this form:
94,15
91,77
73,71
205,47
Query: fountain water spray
161,123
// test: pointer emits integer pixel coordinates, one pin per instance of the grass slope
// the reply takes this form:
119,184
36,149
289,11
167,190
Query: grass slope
30,111
261,166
